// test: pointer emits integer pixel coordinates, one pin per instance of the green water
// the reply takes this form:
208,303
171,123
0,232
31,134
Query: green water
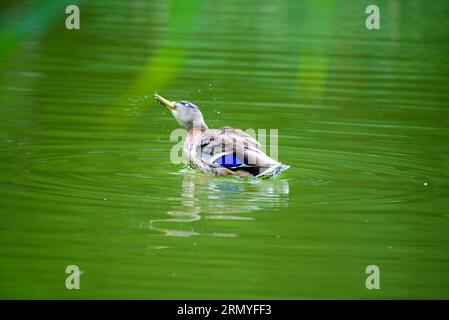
85,170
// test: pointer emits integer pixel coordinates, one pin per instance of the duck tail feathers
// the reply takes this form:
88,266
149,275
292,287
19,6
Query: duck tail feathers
273,172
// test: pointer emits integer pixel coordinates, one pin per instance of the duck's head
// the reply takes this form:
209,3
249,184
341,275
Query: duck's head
186,113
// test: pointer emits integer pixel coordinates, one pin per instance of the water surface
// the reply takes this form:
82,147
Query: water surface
86,177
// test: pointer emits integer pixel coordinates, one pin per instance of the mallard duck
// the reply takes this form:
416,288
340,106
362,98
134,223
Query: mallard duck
221,152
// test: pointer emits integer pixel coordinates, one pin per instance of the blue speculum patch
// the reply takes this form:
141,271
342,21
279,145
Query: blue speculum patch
230,160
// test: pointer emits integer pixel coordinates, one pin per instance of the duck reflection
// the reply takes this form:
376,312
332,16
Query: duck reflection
208,197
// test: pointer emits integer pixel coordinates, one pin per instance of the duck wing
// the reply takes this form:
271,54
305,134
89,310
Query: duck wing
230,151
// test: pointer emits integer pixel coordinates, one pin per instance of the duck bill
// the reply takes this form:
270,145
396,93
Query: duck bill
170,105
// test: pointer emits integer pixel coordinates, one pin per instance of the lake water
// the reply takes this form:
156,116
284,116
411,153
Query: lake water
85,171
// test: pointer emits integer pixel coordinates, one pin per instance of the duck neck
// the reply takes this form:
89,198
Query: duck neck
200,125
196,132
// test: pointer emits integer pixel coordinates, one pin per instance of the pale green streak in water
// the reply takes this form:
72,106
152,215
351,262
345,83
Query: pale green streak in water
86,177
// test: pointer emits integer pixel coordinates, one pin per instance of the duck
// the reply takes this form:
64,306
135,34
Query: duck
225,151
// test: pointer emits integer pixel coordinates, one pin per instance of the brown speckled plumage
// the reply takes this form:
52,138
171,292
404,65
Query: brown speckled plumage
204,147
